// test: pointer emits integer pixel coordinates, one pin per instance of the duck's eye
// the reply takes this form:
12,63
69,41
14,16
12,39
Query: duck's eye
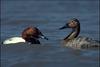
72,21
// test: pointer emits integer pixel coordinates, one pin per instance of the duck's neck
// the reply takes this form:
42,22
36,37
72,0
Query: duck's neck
75,32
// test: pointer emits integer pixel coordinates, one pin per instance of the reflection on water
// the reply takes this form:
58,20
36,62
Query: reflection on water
48,16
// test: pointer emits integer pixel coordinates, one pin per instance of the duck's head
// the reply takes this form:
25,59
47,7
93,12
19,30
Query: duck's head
73,23
32,33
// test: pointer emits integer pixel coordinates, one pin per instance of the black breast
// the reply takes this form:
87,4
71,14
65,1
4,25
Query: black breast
33,41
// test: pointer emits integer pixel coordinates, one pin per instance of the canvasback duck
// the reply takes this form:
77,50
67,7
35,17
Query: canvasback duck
30,35
75,41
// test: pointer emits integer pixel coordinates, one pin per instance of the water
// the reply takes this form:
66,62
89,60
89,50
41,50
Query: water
48,16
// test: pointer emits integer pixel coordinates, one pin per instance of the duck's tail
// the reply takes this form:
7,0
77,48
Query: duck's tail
96,44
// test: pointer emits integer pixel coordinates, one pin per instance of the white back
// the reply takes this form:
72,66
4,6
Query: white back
14,40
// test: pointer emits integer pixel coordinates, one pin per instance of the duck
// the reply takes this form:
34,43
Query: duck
29,35
74,40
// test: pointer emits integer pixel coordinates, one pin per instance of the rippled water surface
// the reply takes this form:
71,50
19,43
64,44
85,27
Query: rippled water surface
48,16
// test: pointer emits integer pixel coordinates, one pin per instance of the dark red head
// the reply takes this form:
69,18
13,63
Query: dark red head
32,33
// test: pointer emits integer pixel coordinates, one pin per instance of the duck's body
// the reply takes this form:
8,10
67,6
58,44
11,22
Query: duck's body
82,42
73,40
30,35
14,40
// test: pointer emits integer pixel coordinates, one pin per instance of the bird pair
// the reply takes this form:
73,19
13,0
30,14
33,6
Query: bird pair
32,34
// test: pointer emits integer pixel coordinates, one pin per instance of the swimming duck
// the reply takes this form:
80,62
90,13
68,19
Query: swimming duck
30,35
75,41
